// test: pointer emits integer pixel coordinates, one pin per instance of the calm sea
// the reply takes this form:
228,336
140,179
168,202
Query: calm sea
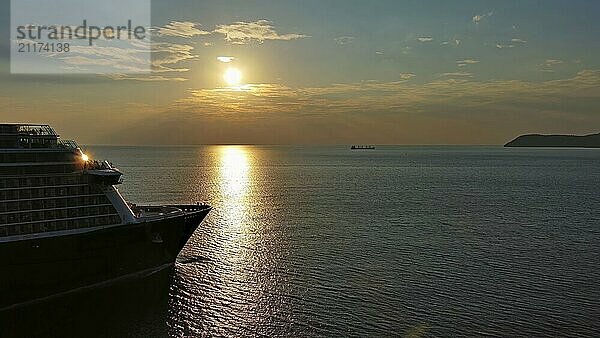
325,241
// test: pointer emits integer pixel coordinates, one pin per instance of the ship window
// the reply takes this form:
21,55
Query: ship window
61,225
12,206
26,229
36,193
3,231
37,216
50,203
48,192
13,230
25,217
50,214
24,205
13,194
37,228
12,183
37,204
25,193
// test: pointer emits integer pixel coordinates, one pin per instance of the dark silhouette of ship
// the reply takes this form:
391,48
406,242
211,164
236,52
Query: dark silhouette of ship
362,147
64,226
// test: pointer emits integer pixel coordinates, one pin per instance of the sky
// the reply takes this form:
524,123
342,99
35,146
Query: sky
332,72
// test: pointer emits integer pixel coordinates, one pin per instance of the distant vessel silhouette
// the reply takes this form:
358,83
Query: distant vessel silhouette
362,147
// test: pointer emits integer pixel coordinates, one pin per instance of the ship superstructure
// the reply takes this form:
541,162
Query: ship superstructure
64,225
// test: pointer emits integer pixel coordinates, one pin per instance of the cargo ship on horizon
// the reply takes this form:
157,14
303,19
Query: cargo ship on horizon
64,226
362,147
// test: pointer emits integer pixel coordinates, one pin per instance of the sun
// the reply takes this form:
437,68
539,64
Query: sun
232,76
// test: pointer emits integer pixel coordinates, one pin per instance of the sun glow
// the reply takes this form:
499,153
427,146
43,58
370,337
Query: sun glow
232,76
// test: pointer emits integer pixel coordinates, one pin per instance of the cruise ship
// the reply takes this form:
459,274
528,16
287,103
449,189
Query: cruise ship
65,227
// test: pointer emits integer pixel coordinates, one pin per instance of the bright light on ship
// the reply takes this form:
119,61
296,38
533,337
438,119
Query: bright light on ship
85,158
232,76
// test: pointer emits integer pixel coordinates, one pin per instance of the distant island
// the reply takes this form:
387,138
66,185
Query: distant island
570,141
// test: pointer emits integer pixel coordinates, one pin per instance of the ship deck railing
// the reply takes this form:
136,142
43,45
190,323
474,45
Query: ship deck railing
27,130
98,165
67,144
152,212
36,130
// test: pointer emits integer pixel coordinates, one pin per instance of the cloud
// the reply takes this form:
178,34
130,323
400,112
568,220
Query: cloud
512,44
167,55
502,46
182,29
446,110
407,76
553,62
466,62
455,42
457,74
166,60
548,65
225,59
425,39
105,59
478,18
150,78
259,31
463,109
344,40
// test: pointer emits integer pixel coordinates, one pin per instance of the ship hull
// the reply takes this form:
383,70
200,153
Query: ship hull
36,269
